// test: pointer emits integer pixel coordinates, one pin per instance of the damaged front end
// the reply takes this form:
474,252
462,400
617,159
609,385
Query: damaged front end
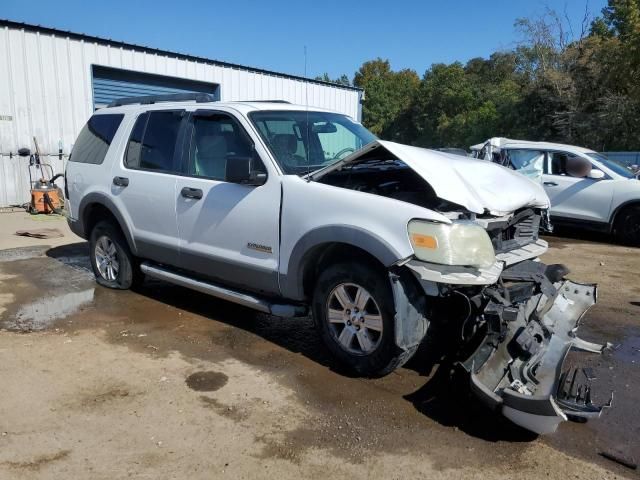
480,255
531,321
527,322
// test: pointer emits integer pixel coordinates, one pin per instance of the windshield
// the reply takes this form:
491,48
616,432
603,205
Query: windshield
305,141
613,165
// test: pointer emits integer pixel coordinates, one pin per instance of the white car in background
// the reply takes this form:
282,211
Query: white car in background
586,189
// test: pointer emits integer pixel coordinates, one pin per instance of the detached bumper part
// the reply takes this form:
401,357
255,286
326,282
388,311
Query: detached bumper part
518,368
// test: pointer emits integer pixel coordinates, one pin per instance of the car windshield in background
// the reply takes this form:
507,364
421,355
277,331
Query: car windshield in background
613,165
304,141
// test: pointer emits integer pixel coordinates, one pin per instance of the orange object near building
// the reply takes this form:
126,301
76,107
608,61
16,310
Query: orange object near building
39,203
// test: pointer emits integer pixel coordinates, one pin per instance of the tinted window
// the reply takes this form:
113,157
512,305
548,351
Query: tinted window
159,134
94,139
132,158
215,139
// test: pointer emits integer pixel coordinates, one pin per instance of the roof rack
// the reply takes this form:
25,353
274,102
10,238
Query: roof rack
266,101
173,97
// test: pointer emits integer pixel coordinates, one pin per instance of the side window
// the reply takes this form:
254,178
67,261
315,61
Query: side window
527,162
132,158
564,163
559,162
216,139
153,141
94,139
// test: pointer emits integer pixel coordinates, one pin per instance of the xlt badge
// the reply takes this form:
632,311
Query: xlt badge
260,248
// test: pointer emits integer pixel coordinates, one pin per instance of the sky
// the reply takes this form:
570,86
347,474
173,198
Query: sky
339,35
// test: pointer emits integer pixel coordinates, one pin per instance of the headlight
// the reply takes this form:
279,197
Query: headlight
460,243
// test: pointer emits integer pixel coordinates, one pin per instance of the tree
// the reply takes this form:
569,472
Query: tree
560,83
341,80
387,94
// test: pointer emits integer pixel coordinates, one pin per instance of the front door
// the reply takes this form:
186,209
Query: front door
579,198
229,231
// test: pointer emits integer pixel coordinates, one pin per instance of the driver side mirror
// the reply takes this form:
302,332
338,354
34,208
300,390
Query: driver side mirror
239,170
596,174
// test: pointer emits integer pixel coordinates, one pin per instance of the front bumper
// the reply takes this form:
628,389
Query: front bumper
518,368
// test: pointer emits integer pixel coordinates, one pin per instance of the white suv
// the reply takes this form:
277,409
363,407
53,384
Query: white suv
586,189
293,211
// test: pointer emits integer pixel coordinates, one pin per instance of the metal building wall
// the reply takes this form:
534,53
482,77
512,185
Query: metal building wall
46,92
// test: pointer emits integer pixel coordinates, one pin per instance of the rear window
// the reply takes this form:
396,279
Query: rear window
94,139
153,141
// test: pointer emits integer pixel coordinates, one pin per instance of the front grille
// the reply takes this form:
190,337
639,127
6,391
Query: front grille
518,231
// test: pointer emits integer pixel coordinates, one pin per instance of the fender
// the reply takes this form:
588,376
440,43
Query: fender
291,282
105,201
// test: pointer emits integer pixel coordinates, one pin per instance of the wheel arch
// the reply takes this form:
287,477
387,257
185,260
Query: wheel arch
330,244
95,207
623,206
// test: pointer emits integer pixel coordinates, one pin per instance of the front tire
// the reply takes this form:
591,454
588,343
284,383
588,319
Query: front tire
111,260
353,310
627,227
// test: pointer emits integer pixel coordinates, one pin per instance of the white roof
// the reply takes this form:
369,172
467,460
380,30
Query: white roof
527,144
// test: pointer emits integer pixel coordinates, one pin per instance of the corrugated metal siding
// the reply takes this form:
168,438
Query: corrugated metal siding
46,91
111,84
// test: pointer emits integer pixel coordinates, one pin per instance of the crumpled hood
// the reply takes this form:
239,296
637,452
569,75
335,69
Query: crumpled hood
477,185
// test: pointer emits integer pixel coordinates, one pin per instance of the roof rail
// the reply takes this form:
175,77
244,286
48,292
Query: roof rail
173,97
265,101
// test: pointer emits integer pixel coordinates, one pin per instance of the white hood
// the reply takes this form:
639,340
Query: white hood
477,186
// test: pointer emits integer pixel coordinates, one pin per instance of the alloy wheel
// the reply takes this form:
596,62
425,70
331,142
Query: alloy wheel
107,258
354,318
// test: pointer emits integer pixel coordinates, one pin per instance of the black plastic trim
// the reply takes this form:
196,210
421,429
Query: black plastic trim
174,97
583,224
291,283
105,201
234,274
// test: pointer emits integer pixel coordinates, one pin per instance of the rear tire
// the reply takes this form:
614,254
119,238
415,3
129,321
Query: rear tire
627,226
353,310
112,262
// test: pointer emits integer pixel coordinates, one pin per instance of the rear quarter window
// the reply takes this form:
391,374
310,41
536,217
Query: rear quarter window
93,142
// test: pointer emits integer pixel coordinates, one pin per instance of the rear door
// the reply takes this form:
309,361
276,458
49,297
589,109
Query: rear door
579,198
87,170
144,183
229,231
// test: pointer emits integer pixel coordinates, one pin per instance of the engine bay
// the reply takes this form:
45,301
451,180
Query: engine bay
391,179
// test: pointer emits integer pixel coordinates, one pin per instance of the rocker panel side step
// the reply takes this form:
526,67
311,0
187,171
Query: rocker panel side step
241,298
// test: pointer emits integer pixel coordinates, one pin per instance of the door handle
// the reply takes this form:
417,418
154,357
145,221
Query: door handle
188,192
121,181
551,184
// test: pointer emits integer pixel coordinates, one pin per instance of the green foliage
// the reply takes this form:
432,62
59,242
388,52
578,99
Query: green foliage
341,80
556,86
387,94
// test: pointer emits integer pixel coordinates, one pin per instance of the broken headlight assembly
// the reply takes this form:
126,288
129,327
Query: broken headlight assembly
461,243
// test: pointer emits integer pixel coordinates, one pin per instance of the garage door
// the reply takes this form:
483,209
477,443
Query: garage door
110,84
